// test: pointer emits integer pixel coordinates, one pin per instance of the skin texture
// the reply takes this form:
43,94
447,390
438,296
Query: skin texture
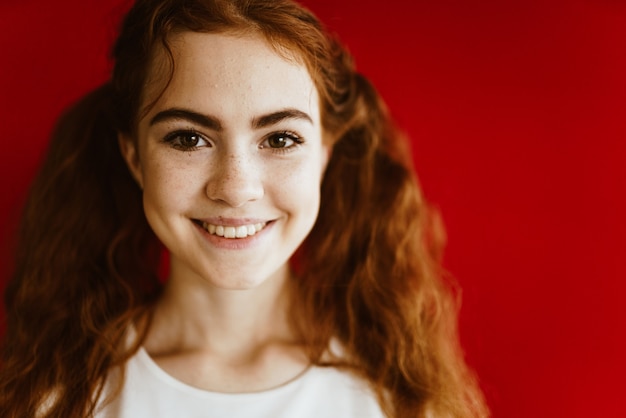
221,324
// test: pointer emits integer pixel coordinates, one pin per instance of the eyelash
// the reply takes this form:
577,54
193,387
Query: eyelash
173,139
292,136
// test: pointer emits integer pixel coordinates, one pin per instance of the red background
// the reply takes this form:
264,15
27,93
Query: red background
516,113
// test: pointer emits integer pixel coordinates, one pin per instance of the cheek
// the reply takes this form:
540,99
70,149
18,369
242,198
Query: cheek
299,189
168,185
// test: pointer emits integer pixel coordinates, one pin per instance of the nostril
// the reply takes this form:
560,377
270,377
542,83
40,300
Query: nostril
235,186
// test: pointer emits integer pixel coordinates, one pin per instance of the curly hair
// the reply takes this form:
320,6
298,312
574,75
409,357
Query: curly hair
368,274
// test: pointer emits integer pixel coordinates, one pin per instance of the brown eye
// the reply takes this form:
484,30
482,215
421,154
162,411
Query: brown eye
186,140
281,140
189,140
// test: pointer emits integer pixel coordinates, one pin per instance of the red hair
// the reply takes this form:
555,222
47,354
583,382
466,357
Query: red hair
368,273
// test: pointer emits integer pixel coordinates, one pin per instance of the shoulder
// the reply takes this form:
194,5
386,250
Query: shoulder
319,392
341,390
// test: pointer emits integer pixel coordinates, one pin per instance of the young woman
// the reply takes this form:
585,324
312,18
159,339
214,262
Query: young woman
302,273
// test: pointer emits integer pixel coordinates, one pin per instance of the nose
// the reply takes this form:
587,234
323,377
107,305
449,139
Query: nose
235,180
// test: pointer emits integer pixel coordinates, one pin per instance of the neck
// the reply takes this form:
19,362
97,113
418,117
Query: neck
195,316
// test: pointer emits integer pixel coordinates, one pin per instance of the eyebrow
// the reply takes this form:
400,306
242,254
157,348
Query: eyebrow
184,114
276,117
215,124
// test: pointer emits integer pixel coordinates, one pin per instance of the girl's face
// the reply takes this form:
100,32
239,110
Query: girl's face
230,159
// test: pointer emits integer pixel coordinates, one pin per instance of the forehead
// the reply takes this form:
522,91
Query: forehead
219,71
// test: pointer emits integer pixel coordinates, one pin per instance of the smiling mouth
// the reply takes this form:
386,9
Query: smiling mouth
233,232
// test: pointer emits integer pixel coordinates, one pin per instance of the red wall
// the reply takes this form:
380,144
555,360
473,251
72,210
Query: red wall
516,113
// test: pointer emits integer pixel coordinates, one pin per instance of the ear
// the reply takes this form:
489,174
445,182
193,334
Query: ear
128,148
328,143
327,151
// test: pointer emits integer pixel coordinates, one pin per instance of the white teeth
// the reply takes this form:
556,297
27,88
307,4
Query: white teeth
229,232
242,231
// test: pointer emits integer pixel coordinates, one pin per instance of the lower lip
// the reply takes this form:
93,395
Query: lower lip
234,243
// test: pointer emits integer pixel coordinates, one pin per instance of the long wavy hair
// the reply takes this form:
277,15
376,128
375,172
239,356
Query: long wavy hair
368,274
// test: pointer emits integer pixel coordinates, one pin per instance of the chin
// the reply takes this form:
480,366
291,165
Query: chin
242,282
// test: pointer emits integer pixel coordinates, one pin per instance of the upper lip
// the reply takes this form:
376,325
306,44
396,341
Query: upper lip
232,221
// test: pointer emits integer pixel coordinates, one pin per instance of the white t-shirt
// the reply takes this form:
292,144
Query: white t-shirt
320,392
